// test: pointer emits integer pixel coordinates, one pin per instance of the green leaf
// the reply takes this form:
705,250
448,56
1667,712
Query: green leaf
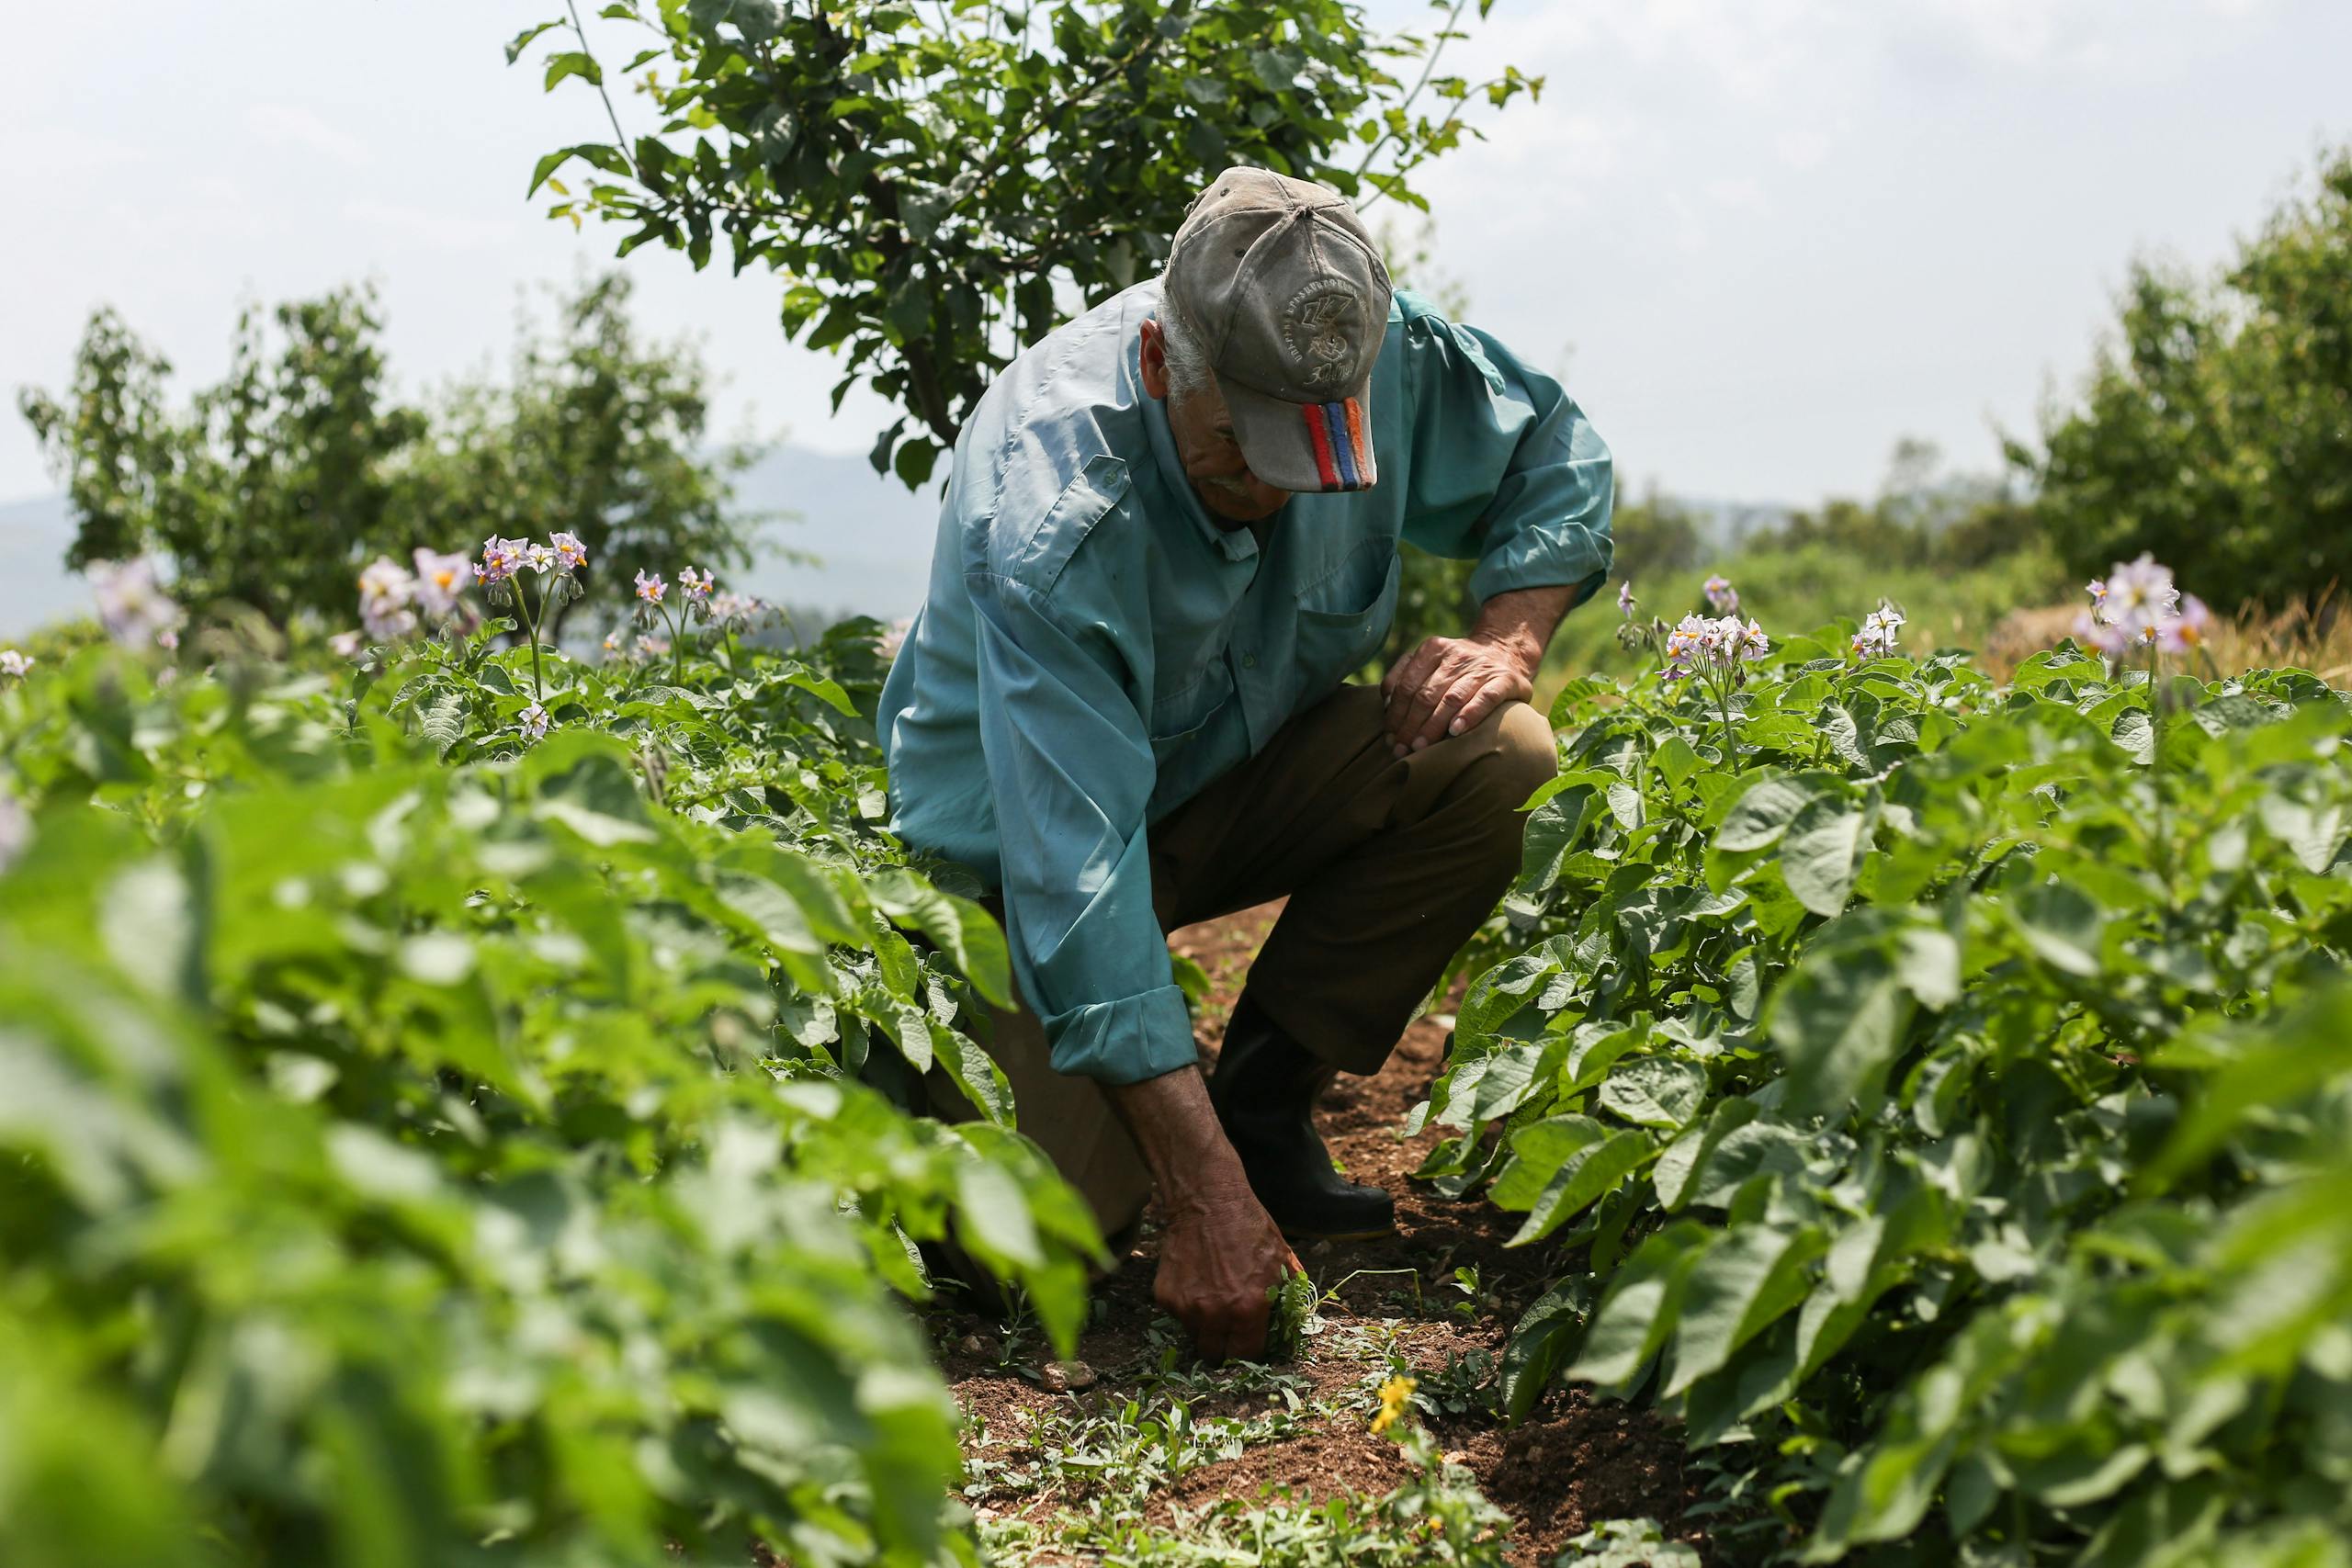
1655,1091
1762,815
523,40
1821,853
972,941
1743,1283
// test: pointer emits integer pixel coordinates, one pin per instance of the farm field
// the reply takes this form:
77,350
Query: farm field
1765,583
466,1060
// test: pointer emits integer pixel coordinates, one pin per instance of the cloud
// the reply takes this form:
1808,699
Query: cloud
289,125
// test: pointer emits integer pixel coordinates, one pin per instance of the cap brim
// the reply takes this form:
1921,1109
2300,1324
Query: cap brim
1306,447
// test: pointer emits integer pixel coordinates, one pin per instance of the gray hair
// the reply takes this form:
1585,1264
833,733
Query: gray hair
1188,362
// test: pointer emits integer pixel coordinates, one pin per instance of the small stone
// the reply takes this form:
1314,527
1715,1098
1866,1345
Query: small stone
971,1345
1067,1377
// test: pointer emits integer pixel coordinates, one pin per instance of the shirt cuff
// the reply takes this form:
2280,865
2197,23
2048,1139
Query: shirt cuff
1533,561
1127,1040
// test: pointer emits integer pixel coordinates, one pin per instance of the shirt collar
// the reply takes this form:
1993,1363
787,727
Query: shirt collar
1238,543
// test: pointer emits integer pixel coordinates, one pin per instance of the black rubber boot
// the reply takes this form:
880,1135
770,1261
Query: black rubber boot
1264,1090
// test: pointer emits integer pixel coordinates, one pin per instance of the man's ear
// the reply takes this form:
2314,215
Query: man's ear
1155,360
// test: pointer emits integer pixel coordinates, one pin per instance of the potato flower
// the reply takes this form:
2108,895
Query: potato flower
696,588
570,555
1876,640
650,588
14,665
500,560
1721,596
2187,631
539,557
132,607
1625,600
439,580
533,721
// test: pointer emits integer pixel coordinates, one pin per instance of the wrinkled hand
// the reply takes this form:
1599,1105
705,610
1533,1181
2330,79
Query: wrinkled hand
1219,1256
1449,684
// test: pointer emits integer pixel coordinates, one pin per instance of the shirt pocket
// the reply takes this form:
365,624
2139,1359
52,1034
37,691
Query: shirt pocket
1182,714
1343,618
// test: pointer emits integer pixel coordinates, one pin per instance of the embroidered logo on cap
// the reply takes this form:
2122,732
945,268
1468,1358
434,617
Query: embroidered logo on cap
1320,331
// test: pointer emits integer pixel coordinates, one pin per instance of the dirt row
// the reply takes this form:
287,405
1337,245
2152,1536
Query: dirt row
1572,1463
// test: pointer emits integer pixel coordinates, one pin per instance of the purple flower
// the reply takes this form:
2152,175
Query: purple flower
1723,596
1625,599
696,589
650,588
133,609
439,580
652,644
2192,628
500,560
570,555
14,665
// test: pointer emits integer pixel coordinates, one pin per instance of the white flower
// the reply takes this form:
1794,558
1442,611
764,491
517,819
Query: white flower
652,646
439,580
2140,595
534,722
539,557
347,645
14,664
2193,627
650,588
385,591
133,609
1876,640
696,588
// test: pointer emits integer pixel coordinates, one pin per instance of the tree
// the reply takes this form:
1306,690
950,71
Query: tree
596,432
2216,429
273,488
266,489
939,185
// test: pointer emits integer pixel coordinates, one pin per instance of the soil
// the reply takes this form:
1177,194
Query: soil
1571,1464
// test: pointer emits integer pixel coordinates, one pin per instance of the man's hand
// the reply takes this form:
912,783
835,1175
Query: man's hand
1449,684
1219,1258
1221,1252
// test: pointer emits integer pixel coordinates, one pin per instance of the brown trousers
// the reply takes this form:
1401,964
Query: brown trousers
1389,866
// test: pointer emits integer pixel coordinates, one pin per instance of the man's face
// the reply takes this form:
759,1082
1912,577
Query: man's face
1204,443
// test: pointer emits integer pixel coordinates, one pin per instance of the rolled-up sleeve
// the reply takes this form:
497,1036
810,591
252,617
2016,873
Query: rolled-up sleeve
1507,470
1072,770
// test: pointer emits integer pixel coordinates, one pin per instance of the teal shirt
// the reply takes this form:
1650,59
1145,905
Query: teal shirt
1094,649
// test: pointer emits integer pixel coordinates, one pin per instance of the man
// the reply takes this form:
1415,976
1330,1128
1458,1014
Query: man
1170,537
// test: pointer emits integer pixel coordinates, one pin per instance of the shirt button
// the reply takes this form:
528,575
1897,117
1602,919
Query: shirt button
1249,661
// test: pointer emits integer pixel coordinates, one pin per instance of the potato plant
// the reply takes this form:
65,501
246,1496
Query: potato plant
431,1135
1943,1089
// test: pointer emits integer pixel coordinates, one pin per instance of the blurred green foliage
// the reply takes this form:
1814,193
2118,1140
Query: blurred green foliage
423,1146
271,489
2216,429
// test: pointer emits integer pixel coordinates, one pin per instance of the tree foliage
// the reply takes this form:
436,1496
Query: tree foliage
271,488
2216,430
940,185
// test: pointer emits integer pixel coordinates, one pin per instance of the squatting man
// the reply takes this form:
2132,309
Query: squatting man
1170,537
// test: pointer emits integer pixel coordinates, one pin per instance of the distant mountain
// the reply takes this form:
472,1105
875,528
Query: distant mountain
872,537
34,584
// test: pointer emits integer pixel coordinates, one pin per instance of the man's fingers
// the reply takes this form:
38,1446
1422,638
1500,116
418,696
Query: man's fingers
1443,718
1405,683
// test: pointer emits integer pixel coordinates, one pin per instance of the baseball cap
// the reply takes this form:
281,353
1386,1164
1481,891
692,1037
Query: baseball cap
1288,297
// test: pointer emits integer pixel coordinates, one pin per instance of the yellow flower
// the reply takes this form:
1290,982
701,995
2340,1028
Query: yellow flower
1394,1395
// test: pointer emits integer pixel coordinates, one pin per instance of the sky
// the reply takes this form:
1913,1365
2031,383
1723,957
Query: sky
1762,239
